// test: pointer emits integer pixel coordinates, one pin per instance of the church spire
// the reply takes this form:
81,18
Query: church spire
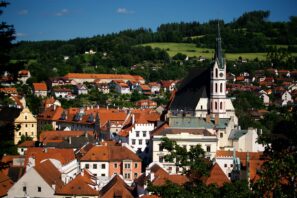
218,51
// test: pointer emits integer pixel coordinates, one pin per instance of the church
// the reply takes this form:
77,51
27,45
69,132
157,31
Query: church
201,113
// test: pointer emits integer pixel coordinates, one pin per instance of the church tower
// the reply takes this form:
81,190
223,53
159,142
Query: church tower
218,81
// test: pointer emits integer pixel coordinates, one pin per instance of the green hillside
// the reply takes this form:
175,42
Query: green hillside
191,50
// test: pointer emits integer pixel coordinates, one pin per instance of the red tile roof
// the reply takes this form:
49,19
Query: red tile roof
27,144
40,87
79,186
116,187
217,176
110,154
8,90
104,76
49,173
40,154
46,136
5,184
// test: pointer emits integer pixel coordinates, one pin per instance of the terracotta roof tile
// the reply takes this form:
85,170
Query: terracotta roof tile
5,184
40,87
79,186
40,154
104,76
46,136
110,153
8,90
217,176
49,173
116,187
27,144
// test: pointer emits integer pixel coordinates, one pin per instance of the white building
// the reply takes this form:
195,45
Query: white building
265,98
39,181
286,98
122,88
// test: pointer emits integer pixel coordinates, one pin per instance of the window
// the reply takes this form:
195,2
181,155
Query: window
25,117
94,166
221,87
32,125
144,133
140,142
135,165
39,189
216,72
103,174
135,175
160,147
127,165
24,188
225,165
216,105
192,146
216,87
127,175
87,166
115,165
185,147
161,159
20,133
208,148
26,125
137,133
133,141
32,133
221,135
231,165
201,107
103,166
221,105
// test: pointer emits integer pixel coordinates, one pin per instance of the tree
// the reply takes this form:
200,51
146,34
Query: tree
25,138
278,175
6,37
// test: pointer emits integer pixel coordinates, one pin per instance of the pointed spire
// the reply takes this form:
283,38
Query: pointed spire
218,51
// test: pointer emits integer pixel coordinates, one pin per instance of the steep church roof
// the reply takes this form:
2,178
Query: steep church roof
195,86
218,51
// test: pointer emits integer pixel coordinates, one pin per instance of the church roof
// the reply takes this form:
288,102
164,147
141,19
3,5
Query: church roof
195,86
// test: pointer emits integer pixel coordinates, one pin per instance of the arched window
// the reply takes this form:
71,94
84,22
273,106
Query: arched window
216,105
216,87
217,72
221,87
221,105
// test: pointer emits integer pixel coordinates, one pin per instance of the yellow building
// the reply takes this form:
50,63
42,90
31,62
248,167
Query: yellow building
25,124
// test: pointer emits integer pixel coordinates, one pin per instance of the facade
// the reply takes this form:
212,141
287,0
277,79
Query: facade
24,75
107,160
286,98
122,88
40,89
103,87
144,104
26,125
81,89
40,181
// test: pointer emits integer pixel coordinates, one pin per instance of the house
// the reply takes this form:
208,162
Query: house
157,176
40,89
23,147
246,163
9,90
59,81
117,187
48,102
121,87
137,132
265,98
216,177
24,75
146,104
133,84
63,93
25,125
144,89
80,89
168,85
40,181
103,87
6,79
106,160
155,87
286,98
63,159
83,185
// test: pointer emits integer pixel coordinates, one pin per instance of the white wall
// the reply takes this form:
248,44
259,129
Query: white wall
98,171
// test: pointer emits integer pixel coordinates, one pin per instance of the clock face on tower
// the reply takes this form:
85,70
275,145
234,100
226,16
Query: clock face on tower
221,74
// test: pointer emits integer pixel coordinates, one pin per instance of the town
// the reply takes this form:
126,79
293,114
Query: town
115,134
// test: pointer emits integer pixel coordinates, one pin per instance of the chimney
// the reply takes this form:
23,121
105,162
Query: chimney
217,119
207,118
54,186
69,140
